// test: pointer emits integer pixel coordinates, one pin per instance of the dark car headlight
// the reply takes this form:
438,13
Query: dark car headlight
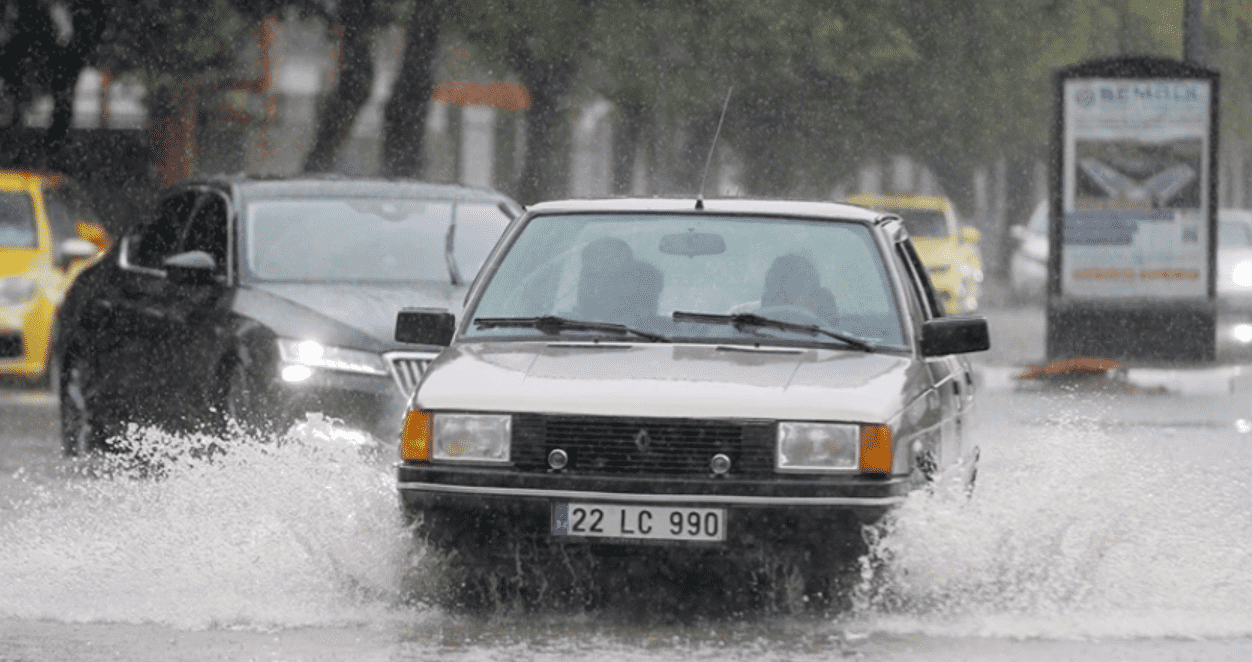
301,357
833,447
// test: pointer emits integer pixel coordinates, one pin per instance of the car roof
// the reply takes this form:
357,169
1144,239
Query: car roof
18,179
327,186
724,205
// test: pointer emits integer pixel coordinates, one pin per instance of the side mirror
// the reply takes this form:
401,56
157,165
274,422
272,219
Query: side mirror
191,268
970,234
955,335
425,326
96,234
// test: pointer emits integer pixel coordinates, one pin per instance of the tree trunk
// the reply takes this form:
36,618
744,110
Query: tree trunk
352,89
631,116
545,175
404,117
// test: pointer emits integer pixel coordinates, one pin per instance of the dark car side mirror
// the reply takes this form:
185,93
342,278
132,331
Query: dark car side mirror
191,268
425,326
955,335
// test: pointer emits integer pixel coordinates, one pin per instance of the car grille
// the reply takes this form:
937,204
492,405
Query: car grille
611,445
407,368
10,345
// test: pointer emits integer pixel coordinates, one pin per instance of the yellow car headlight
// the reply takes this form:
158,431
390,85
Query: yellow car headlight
1241,274
17,289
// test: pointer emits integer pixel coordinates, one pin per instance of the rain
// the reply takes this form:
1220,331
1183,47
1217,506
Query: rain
1112,415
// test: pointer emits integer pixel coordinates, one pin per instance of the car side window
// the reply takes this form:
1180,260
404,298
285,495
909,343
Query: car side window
919,280
207,230
60,215
160,238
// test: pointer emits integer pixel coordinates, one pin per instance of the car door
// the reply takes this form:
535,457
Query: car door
949,374
197,312
133,352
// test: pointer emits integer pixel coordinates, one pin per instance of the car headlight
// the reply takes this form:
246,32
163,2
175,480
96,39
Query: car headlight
300,357
834,447
1241,274
469,437
17,289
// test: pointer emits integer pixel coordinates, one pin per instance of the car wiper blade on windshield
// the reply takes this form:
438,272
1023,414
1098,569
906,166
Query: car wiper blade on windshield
553,324
738,320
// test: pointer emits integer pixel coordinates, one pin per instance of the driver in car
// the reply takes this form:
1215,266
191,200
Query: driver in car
615,287
792,281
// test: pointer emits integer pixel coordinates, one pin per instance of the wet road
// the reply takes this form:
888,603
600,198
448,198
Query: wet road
1111,521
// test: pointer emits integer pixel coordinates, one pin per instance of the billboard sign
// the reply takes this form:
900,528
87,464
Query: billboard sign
1133,185
1135,172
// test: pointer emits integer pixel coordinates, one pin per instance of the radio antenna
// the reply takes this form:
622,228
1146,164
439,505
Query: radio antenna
704,177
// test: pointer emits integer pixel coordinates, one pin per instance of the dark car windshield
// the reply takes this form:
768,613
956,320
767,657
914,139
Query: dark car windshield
17,220
638,269
369,239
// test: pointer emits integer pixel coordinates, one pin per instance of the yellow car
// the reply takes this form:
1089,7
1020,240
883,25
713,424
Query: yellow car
48,235
948,249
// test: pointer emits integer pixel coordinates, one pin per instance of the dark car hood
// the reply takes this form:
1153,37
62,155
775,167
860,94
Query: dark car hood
358,315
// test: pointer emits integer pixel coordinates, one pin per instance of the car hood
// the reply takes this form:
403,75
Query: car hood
671,380
16,260
357,315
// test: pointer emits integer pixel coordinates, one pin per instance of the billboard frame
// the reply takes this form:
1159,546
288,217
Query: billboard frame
1138,329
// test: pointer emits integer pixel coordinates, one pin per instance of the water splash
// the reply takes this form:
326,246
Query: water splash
195,531
1078,528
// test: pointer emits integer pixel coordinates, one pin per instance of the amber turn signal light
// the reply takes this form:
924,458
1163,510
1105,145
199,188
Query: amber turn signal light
875,449
415,439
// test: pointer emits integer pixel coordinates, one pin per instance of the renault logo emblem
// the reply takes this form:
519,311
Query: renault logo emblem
642,441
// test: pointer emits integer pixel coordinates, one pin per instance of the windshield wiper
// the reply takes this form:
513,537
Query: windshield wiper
739,320
552,325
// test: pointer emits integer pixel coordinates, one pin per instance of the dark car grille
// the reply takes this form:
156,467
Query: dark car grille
10,345
408,367
610,445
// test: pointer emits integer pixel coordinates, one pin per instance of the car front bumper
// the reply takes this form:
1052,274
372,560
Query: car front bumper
805,511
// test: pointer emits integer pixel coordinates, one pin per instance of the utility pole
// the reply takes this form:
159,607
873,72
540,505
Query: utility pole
1193,32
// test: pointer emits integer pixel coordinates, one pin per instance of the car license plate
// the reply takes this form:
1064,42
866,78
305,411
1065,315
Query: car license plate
598,520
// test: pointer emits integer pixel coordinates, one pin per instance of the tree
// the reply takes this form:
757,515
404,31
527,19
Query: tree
404,116
47,47
356,23
543,43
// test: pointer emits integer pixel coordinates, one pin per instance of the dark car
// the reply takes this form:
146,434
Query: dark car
259,300
660,372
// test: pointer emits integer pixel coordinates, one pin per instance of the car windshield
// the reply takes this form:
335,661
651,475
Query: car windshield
924,222
369,239
638,270
17,220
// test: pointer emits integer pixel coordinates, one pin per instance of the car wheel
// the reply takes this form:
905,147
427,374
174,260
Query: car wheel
81,429
245,400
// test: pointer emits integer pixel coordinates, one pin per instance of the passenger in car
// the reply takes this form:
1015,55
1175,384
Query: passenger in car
615,287
792,280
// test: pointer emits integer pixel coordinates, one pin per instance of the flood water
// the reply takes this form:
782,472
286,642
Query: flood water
1107,523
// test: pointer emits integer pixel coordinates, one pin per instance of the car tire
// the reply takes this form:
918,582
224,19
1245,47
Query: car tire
245,400
82,430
